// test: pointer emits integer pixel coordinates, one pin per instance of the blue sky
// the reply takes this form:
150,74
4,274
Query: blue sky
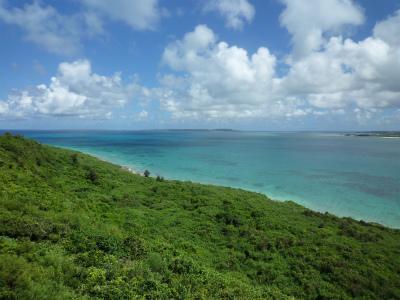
244,64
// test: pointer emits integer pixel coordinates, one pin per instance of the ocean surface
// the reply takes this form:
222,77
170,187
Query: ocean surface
344,175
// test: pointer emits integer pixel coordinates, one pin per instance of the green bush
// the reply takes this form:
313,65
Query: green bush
134,247
74,158
155,262
92,176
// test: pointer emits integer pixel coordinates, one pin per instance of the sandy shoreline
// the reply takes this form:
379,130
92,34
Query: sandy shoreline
123,167
129,169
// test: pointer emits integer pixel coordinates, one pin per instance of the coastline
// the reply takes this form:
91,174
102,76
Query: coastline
302,202
129,169
282,196
124,167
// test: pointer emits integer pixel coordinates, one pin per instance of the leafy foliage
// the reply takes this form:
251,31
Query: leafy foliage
74,227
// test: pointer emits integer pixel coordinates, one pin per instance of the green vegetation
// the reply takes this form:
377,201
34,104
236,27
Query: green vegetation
74,227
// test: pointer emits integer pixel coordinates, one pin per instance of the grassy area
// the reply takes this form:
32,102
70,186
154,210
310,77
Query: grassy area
74,227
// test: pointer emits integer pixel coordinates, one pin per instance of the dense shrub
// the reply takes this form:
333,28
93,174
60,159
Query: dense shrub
155,262
134,247
92,176
25,227
228,219
74,158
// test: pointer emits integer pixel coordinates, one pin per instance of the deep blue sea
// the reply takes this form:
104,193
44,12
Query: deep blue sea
344,175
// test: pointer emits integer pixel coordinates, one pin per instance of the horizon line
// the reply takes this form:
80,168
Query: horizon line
200,129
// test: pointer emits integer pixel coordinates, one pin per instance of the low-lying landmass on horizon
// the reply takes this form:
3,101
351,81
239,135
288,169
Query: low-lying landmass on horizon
384,134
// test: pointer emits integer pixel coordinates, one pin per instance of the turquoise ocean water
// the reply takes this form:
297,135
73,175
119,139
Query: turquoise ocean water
344,175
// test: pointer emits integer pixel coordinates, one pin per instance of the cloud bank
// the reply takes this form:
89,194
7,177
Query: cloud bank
205,78
139,15
64,34
310,21
44,26
75,91
219,80
328,73
235,12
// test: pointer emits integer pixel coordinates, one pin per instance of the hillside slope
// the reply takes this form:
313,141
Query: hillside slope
74,227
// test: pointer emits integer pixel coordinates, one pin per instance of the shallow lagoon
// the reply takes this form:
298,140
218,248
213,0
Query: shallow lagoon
344,175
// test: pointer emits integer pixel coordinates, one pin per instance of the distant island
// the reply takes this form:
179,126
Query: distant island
389,134
75,227
203,129
224,129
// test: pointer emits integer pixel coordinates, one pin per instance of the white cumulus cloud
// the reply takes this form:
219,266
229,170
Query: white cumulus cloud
139,14
75,91
235,12
308,21
143,115
220,81
44,26
389,29
64,34
210,79
346,73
